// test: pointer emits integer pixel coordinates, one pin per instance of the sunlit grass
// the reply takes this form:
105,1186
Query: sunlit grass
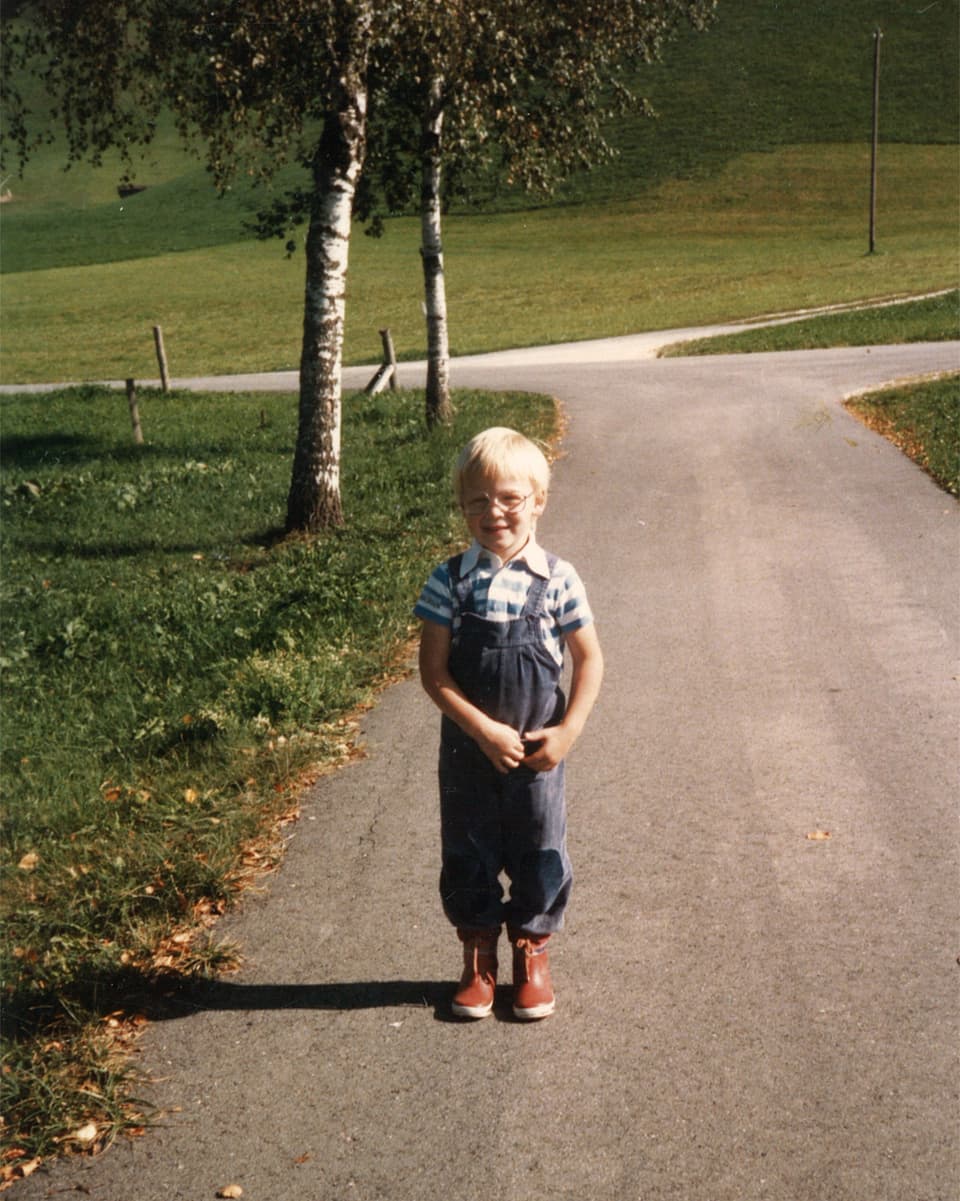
772,232
758,79
923,419
932,319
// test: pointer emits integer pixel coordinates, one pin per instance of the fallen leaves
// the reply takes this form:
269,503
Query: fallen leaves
16,1167
230,1191
116,792
29,862
875,417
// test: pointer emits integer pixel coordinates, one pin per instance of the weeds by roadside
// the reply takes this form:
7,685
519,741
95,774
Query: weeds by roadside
923,419
170,673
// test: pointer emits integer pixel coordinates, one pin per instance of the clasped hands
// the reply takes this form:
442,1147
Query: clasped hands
540,750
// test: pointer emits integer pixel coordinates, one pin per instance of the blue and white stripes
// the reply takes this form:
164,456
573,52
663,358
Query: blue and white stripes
499,592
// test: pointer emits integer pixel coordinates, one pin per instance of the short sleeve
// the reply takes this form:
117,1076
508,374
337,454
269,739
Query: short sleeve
436,601
570,606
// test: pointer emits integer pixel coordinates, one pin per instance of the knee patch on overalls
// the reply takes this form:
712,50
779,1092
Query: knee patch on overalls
466,891
540,879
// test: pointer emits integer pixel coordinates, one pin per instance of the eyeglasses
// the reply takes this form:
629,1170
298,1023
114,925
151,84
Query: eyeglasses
506,502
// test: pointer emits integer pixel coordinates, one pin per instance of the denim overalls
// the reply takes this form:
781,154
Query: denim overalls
491,822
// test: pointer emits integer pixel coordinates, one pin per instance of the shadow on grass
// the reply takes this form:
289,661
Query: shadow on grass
62,548
40,450
26,452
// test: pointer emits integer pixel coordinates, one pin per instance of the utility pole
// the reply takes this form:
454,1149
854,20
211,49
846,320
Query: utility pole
877,39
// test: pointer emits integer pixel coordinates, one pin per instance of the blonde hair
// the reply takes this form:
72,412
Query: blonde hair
502,452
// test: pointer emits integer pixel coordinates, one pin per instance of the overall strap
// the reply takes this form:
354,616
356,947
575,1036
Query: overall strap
460,588
459,585
538,590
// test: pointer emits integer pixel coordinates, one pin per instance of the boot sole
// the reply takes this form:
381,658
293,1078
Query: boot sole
472,1011
535,1012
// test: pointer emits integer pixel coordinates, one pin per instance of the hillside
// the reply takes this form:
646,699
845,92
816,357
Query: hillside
766,74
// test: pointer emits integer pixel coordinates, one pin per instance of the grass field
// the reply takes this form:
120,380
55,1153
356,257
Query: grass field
748,193
770,232
932,319
763,76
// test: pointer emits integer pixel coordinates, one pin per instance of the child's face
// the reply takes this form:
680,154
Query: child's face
501,512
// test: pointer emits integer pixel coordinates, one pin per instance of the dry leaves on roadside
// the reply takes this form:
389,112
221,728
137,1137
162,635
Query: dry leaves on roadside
16,1167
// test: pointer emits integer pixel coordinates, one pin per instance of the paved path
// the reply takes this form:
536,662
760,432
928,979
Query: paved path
744,1013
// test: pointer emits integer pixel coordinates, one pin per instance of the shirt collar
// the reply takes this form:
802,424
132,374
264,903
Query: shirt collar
532,554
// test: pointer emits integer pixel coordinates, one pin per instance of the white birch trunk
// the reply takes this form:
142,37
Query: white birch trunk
314,502
435,296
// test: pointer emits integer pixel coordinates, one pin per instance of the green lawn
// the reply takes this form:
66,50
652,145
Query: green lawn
932,319
770,232
923,419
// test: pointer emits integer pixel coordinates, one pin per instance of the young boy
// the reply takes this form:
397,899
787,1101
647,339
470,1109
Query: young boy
496,620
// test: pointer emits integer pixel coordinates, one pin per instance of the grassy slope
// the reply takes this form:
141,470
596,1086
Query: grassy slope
765,75
770,74
770,232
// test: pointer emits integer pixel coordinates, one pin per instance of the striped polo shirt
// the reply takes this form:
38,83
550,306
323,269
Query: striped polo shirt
499,592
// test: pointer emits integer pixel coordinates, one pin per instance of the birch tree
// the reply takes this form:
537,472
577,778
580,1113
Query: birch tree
314,502
515,89
258,83
523,86
438,408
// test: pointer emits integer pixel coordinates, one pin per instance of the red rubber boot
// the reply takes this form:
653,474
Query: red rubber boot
474,996
533,992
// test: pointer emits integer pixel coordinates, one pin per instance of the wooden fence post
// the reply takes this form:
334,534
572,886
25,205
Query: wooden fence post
134,411
390,357
161,358
387,371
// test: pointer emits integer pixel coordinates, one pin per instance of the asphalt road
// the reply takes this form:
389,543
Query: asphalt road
743,1013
